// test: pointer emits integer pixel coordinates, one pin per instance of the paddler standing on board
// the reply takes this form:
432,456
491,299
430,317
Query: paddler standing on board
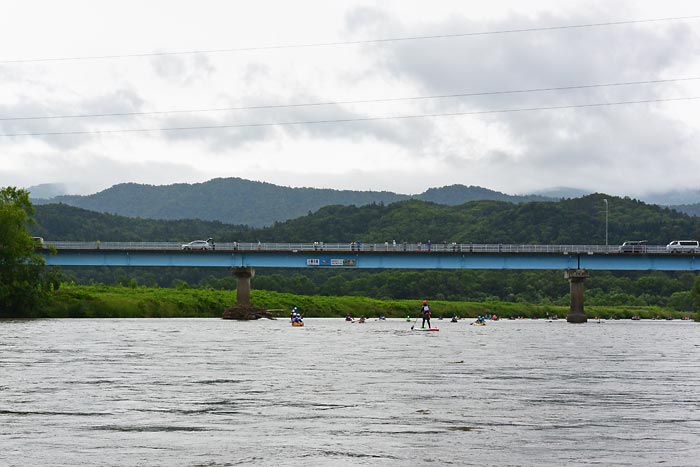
425,309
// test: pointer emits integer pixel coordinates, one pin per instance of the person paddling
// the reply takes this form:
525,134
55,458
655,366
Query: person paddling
296,316
425,309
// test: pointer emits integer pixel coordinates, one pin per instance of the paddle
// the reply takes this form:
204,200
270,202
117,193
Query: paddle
414,324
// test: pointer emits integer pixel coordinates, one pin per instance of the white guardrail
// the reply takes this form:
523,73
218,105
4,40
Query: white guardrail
365,247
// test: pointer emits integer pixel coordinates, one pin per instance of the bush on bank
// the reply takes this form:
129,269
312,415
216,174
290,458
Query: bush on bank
100,301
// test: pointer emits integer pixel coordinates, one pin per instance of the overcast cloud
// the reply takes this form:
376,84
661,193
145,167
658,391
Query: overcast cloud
633,149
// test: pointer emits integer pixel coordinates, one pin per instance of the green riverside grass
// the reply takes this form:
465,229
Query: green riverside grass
101,301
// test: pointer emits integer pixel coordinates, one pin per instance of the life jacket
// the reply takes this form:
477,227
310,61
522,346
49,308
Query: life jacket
426,311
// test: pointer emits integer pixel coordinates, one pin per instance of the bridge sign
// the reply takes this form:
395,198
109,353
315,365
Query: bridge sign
330,262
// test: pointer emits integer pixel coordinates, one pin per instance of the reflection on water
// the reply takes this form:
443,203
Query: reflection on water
209,392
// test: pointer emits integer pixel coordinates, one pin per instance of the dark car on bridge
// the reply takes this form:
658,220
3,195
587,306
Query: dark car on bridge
634,246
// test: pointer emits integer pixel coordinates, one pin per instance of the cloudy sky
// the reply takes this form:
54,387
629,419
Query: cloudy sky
94,93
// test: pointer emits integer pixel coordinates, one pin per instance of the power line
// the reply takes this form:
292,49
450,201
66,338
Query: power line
349,120
345,102
357,42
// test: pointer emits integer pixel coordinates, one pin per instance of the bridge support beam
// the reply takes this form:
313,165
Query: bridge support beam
243,286
576,279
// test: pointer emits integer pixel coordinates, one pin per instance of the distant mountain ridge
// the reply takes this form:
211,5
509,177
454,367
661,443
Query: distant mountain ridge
48,190
563,192
256,204
454,195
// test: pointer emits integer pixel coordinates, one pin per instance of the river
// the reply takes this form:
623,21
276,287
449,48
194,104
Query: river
214,393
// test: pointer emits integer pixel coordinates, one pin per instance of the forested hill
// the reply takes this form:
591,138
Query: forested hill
257,204
63,222
573,221
229,200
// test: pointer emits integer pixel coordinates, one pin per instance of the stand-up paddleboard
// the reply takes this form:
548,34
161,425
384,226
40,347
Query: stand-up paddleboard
426,329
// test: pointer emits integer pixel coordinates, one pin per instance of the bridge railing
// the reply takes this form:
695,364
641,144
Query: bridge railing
353,247
97,245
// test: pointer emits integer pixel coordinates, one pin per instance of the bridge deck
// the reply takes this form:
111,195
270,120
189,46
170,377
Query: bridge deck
370,256
365,247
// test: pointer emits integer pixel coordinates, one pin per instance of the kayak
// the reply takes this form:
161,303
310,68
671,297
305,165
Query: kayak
478,324
297,324
426,329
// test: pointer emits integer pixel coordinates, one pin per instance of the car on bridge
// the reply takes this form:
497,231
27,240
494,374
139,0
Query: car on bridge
634,246
207,244
683,246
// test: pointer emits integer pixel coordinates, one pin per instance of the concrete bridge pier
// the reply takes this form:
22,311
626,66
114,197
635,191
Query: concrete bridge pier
243,287
576,279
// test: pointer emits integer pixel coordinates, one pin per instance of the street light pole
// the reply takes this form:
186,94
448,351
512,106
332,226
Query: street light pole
606,221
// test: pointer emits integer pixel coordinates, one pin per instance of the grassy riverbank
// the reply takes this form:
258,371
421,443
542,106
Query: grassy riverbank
99,301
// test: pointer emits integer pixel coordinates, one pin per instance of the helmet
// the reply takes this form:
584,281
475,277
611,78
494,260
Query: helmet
425,302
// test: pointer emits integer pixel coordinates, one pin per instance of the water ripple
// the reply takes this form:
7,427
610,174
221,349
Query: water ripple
213,393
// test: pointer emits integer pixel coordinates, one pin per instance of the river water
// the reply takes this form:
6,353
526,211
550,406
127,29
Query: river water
209,392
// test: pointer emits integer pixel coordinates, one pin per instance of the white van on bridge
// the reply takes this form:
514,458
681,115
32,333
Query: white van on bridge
683,246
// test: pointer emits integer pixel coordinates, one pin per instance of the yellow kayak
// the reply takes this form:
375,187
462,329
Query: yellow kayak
297,324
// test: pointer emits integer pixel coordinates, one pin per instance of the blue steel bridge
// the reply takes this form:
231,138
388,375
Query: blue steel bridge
243,258
371,255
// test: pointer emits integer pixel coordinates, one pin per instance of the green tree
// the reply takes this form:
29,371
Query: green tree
22,272
681,301
695,294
